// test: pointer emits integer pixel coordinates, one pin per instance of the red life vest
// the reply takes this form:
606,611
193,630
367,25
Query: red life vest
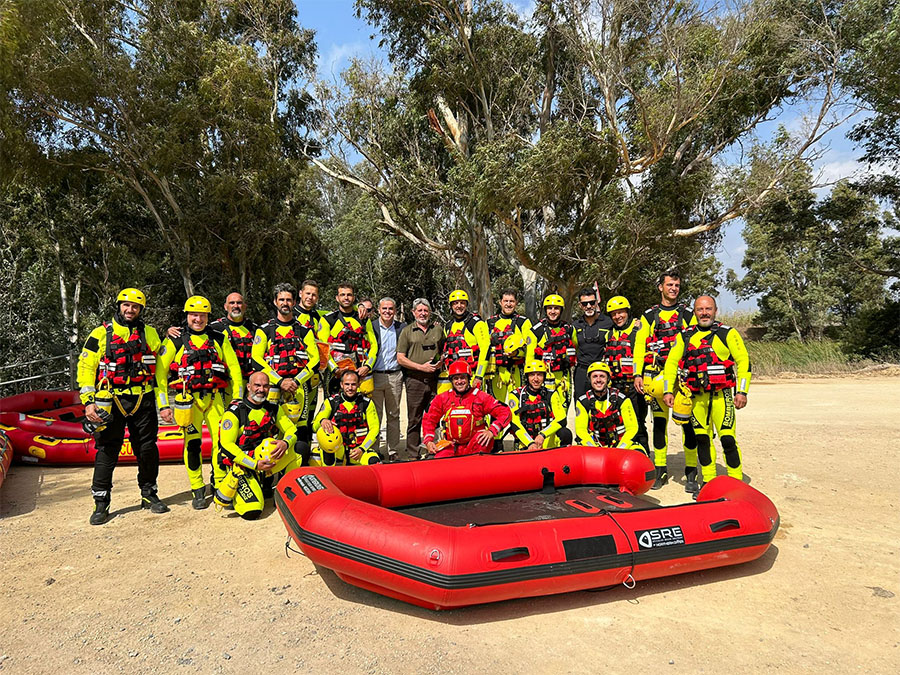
201,369
286,354
127,363
606,428
455,346
498,337
705,370
459,424
558,351
349,343
352,423
252,432
664,331
242,344
619,355
535,410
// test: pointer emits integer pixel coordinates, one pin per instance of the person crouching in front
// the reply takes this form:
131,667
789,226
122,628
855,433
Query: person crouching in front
462,411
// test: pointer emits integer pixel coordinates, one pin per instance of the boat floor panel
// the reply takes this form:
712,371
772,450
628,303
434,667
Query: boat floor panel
581,501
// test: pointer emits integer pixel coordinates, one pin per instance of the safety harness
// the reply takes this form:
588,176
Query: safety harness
535,410
620,356
498,337
242,344
201,368
253,432
126,363
606,427
286,354
350,342
664,331
456,347
703,369
352,423
558,352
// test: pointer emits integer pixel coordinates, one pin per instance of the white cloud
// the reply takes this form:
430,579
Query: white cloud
338,57
831,172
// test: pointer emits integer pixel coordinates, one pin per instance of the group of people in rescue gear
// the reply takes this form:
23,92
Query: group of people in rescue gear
499,376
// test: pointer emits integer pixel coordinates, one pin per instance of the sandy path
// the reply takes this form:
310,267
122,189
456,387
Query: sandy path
204,592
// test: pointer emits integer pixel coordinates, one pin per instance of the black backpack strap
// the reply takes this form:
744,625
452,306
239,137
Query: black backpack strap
109,338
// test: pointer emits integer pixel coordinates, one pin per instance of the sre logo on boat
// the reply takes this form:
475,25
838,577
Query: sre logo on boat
662,536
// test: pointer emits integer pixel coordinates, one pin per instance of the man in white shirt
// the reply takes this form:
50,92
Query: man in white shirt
388,374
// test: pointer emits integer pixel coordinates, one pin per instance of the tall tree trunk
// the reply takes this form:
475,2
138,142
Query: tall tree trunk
70,318
185,270
481,275
531,299
243,267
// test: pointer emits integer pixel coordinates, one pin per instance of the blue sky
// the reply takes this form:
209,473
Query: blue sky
340,36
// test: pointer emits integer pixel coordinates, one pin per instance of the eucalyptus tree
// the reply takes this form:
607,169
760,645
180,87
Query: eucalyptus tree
595,139
196,105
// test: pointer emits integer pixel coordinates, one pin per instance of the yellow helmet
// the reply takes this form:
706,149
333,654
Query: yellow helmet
601,366
653,387
367,384
535,366
265,449
293,409
459,295
554,301
617,302
132,295
513,343
330,443
197,303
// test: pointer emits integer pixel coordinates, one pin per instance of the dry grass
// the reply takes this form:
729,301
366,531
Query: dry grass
825,357
739,319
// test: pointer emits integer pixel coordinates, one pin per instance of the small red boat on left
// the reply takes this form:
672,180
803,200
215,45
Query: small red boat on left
6,453
44,427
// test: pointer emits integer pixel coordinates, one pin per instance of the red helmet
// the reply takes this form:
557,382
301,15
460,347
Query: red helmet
459,368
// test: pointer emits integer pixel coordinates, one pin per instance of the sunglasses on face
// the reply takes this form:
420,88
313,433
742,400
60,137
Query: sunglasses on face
588,303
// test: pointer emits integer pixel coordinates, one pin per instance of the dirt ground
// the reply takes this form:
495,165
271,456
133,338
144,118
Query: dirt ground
207,592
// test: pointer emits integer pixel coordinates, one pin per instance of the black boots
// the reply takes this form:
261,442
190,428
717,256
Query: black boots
199,500
691,486
101,512
662,477
151,501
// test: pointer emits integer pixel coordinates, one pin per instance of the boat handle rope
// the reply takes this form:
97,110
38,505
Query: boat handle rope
288,547
629,582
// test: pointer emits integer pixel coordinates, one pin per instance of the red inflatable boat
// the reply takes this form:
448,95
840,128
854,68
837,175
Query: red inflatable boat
6,455
44,427
461,531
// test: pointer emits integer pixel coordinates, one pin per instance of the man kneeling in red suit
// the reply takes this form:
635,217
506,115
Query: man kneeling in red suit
463,411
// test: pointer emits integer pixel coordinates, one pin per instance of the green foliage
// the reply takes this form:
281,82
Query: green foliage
872,28
874,332
191,104
576,143
810,262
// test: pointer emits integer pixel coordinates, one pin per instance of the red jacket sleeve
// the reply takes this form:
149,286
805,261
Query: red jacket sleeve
432,417
500,413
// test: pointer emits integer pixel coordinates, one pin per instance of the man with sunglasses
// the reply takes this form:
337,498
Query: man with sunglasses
591,331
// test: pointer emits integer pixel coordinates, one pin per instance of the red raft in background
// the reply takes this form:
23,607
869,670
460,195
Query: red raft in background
6,455
461,531
44,427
